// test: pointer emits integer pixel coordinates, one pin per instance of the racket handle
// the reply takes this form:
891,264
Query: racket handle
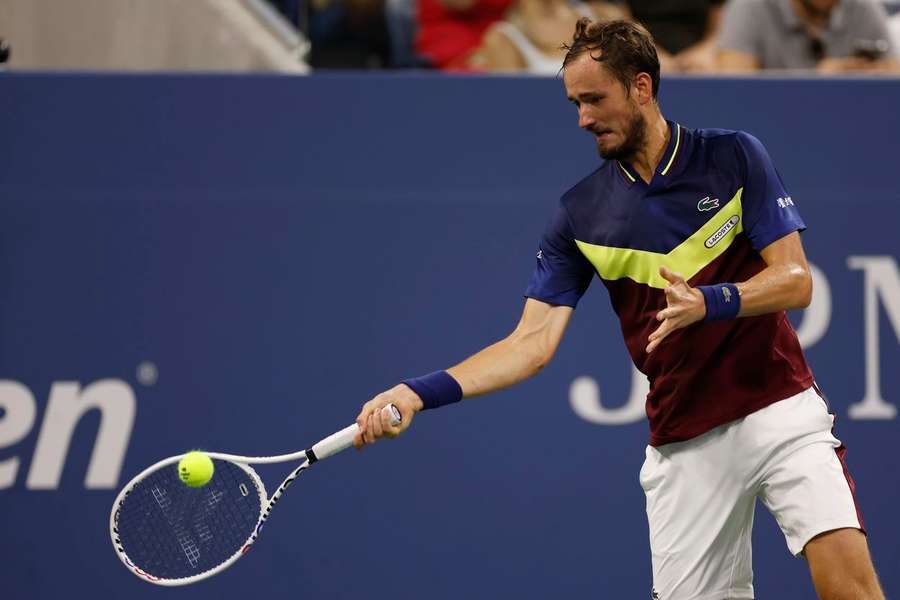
343,439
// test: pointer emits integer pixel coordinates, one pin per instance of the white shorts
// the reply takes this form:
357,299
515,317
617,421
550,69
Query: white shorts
701,495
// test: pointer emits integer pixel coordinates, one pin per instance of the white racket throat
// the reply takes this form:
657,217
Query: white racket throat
189,536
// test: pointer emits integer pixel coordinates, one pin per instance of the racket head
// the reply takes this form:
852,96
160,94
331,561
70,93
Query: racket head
170,534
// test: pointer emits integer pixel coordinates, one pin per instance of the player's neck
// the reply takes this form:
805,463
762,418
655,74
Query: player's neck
649,156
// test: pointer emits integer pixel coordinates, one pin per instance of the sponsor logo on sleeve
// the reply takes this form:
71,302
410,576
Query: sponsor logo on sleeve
784,202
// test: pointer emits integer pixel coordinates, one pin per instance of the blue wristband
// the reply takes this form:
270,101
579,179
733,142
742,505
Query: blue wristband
435,389
722,301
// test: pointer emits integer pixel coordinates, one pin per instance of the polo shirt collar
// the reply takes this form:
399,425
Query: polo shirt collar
666,165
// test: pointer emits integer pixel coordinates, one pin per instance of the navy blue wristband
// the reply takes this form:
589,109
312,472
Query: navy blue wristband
722,301
435,389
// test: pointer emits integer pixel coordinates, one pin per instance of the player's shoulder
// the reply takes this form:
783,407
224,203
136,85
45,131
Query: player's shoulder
724,137
597,182
725,146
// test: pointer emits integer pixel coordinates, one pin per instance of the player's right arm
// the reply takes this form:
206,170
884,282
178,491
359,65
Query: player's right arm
561,276
518,356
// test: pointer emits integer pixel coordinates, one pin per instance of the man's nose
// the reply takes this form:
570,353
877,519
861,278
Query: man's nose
585,119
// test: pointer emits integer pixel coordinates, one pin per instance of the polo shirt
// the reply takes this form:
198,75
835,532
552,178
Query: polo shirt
715,201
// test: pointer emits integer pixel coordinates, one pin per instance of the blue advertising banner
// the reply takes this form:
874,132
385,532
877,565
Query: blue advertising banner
238,263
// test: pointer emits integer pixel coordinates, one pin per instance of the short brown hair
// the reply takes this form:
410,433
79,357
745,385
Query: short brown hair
625,48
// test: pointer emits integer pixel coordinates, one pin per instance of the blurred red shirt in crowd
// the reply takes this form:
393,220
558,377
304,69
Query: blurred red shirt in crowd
450,30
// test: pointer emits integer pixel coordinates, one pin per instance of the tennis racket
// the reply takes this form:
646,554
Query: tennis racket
170,534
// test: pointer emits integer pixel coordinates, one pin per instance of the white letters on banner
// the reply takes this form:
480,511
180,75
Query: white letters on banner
584,396
68,402
18,416
881,281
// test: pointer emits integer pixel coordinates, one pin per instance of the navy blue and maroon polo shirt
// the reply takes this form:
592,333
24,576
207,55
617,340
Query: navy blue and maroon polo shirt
715,201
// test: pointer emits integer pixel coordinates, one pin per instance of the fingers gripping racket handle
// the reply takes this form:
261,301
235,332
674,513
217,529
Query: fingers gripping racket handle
343,439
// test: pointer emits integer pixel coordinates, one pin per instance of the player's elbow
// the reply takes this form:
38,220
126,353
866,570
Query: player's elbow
539,361
536,359
803,288
533,351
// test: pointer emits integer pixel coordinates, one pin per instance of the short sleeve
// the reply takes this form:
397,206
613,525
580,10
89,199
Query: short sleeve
562,273
769,211
740,22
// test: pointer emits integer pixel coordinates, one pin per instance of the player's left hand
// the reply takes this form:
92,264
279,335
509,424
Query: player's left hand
684,305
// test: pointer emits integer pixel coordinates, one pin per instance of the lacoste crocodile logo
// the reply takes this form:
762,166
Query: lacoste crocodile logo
707,204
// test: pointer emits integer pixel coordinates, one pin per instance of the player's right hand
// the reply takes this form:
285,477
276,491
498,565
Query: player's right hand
374,422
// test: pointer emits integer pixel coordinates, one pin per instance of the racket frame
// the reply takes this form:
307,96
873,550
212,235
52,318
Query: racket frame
265,509
329,446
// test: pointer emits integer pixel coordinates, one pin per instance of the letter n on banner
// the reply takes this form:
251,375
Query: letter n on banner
882,281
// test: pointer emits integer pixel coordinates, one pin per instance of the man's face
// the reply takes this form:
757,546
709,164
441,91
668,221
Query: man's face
605,108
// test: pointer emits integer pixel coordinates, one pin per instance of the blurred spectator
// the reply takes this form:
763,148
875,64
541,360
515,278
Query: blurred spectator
450,30
532,34
400,17
348,34
893,9
832,36
685,31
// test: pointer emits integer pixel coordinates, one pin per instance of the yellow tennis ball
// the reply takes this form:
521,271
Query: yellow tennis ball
195,469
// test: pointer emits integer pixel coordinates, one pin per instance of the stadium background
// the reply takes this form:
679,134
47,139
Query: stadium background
238,262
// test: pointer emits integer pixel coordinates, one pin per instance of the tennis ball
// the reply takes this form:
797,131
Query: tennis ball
195,469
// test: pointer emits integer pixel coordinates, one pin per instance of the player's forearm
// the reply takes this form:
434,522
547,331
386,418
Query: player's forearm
515,358
777,287
505,363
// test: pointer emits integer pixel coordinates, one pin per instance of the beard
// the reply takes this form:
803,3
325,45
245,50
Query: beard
635,136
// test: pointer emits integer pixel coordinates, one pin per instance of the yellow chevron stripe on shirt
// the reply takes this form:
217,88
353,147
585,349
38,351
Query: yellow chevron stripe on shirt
687,259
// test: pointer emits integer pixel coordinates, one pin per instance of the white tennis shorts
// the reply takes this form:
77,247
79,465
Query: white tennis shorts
701,495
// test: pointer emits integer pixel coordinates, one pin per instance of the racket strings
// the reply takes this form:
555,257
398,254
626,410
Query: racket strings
171,531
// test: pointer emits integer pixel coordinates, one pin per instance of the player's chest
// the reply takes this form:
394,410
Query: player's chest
659,219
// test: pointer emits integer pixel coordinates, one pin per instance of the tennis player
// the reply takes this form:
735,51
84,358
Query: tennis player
697,241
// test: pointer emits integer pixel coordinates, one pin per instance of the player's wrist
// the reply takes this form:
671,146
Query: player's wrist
435,389
413,399
699,308
722,301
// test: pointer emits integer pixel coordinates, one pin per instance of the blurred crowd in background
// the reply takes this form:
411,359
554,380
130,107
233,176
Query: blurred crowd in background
506,36
692,36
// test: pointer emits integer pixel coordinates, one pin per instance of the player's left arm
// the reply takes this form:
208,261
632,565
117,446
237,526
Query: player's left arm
784,283
771,224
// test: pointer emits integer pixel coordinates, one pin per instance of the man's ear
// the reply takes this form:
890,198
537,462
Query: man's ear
642,88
